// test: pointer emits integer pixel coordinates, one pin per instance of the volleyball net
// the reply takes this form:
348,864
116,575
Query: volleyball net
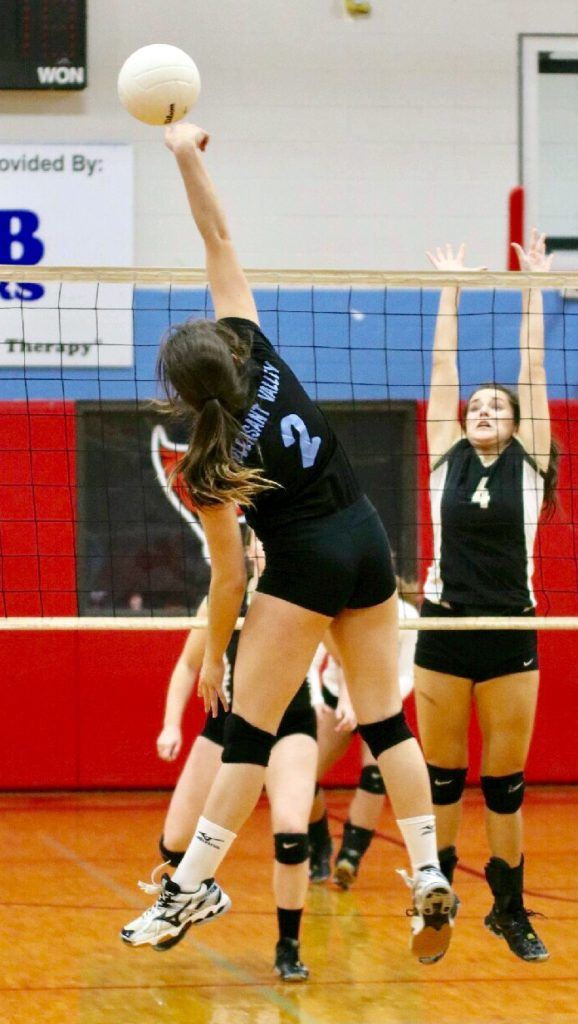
94,533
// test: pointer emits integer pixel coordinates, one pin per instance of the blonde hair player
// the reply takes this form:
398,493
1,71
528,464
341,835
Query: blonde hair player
258,440
289,781
490,476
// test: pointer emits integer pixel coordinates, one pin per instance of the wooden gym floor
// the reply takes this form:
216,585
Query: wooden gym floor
69,868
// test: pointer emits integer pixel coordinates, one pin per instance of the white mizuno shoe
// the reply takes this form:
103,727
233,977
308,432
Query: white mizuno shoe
169,919
432,914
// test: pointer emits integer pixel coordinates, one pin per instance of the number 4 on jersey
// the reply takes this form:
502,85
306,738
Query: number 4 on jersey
309,445
481,495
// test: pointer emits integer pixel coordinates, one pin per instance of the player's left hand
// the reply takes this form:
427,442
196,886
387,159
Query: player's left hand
534,259
210,686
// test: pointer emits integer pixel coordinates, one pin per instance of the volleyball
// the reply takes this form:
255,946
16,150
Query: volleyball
159,84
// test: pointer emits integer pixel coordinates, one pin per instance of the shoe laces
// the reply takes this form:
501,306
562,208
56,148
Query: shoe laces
154,886
412,883
410,911
521,919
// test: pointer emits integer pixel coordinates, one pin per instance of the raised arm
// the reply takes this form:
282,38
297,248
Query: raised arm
231,293
179,690
443,428
534,430
226,591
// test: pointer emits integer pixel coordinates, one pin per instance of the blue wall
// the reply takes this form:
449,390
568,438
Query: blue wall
342,343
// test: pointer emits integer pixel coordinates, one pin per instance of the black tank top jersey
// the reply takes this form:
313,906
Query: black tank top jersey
287,436
484,520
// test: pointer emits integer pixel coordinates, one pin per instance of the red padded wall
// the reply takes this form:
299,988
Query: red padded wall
84,709
37,508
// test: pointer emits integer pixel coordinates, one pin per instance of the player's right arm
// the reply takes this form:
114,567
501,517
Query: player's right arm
230,289
180,688
443,428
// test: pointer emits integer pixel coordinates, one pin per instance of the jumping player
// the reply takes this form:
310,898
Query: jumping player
257,440
491,475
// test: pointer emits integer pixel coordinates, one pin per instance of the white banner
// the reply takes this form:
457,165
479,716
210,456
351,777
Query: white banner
69,205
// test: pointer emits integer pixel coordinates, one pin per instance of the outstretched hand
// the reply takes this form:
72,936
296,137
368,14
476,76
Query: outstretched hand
448,261
183,135
534,259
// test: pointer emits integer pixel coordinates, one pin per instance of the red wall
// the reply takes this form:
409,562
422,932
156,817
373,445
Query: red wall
83,709
37,508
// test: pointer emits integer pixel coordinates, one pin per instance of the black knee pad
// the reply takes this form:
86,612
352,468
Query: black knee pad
503,793
370,780
245,743
291,847
173,857
447,784
380,736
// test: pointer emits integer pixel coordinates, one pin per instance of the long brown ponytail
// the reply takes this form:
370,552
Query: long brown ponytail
204,368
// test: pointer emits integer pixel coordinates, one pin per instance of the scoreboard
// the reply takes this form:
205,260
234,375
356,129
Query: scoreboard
42,44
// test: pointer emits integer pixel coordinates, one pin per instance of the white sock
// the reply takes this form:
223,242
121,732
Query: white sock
206,850
419,836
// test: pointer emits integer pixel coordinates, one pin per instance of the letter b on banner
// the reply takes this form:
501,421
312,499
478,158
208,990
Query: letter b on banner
19,242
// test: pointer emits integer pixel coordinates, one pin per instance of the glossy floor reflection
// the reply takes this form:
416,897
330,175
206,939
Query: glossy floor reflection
70,864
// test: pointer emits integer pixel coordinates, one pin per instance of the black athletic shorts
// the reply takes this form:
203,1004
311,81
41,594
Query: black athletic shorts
331,563
476,654
298,718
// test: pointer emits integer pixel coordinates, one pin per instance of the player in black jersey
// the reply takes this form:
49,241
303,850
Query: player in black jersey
257,440
289,781
490,477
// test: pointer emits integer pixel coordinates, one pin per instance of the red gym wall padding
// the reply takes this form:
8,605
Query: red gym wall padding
82,710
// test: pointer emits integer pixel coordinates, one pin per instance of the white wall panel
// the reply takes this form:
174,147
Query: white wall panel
336,142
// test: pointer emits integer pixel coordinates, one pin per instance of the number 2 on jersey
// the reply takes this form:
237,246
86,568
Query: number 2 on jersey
309,445
481,495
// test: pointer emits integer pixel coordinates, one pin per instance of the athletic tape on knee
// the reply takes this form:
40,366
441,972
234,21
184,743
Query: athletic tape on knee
380,736
174,857
503,793
291,847
245,743
370,780
447,784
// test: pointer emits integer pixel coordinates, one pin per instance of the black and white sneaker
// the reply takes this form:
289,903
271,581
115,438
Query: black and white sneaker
514,926
432,914
169,919
287,963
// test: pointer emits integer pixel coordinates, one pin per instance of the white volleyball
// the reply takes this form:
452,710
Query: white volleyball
159,84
